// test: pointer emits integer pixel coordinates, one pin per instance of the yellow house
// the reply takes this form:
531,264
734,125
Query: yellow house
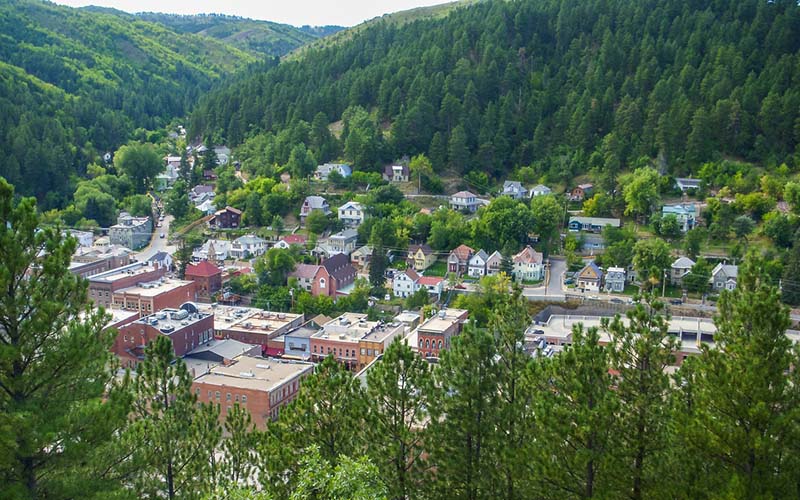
421,257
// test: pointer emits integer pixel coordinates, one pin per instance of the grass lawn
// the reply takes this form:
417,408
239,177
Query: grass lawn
439,268
532,282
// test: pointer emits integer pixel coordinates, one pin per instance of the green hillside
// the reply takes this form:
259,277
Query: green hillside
263,37
567,87
76,83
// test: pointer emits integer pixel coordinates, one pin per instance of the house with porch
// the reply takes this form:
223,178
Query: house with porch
477,264
615,280
458,260
590,277
421,257
528,265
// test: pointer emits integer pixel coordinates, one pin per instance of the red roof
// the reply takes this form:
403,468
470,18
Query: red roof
294,239
463,252
429,280
202,269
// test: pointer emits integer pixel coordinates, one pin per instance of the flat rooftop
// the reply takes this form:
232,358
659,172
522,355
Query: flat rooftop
171,320
560,326
234,318
302,332
153,288
441,322
385,331
256,373
120,316
349,327
119,273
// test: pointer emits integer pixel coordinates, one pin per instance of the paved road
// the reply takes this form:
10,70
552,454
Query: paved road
157,244
552,283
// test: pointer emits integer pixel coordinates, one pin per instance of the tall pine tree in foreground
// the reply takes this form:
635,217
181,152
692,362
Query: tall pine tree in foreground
641,350
464,419
54,366
172,438
747,422
399,392
574,411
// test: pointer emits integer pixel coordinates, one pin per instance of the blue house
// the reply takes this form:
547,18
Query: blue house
685,213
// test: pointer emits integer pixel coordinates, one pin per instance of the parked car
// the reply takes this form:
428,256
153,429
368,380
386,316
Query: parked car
569,281
676,302
617,301
161,235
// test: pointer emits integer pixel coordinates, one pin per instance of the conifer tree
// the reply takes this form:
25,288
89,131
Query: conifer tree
641,350
399,391
748,408
464,418
238,448
574,412
55,366
172,438
508,323
329,406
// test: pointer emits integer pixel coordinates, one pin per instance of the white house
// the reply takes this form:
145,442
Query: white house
396,173
434,285
248,246
528,265
219,249
514,189
477,264
343,241
679,269
207,207
723,277
464,200
323,171
540,190
352,214
685,213
615,280
686,183
404,283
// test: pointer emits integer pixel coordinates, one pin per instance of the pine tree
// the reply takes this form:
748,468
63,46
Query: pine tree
574,412
464,418
508,323
329,406
172,438
640,353
398,394
377,268
748,414
238,449
55,366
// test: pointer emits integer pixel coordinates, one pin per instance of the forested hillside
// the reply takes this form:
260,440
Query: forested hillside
272,39
76,84
565,86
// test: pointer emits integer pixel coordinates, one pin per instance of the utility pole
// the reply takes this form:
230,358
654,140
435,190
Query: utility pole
664,284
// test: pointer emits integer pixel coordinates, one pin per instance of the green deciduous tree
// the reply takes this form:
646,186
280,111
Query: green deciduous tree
548,217
640,190
55,366
140,162
273,267
317,222
651,257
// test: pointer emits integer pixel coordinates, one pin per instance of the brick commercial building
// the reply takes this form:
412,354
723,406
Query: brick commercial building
263,386
186,329
250,325
345,336
103,285
154,296
434,335
206,276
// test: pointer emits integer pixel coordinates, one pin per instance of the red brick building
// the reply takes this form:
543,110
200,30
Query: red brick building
102,286
185,329
263,386
433,336
206,276
154,296
333,275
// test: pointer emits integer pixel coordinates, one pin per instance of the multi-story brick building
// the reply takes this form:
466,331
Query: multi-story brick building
185,327
262,386
250,325
206,276
375,343
346,336
433,336
153,296
103,285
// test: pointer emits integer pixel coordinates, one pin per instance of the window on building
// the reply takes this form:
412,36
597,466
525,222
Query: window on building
427,344
236,398
210,395
362,351
440,344
197,391
126,338
369,352
228,398
244,398
216,395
